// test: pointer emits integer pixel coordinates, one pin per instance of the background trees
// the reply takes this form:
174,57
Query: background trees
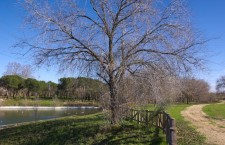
195,90
220,88
81,88
220,85
13,83
113,39
52,89
68,88
15,68
32,86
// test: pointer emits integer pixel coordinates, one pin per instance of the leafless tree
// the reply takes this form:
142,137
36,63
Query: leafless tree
195,90
220,85
15,68
113,38
153,87
26,71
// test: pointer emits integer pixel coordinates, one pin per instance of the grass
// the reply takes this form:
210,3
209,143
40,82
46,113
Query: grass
212,122
52,102
216,111
186,134
94,129
221,126
82,130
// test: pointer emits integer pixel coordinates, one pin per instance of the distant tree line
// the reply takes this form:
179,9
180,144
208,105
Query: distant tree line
220,88
195,90
14,86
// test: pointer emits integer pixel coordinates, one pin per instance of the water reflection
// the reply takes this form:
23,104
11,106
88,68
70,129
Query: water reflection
26,115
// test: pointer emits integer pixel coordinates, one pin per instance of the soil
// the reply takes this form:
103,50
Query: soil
212,129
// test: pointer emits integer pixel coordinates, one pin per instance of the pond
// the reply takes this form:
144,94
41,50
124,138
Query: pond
18,114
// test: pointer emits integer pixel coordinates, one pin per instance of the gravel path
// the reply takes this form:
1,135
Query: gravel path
214,130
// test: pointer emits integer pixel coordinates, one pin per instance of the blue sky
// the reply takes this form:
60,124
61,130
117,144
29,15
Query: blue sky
11,28
208,16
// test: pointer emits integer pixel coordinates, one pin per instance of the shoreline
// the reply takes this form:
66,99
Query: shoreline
6,126
47,103
46,107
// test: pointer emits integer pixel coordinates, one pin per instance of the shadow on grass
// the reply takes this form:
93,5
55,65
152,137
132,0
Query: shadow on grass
80,130
186,134
135,135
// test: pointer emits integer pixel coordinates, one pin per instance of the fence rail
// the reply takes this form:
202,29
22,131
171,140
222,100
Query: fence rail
153,118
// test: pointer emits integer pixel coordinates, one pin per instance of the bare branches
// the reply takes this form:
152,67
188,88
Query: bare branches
114,39
220,84
14,68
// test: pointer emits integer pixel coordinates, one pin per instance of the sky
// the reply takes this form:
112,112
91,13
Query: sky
208,16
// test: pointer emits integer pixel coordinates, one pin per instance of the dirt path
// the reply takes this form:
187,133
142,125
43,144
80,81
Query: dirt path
214,130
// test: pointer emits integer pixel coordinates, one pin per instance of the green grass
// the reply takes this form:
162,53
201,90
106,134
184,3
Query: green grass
175,111
81,130
93,129
186,134
52,102
216,111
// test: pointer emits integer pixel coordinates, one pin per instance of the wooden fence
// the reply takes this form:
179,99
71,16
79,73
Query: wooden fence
153,118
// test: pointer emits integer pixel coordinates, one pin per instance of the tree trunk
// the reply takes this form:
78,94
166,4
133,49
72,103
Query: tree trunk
187,100
112,85
113,105
113,100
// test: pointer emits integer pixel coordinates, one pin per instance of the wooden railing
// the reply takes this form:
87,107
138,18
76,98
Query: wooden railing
153,118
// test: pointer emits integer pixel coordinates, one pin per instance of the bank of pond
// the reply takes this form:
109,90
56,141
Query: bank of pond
10,115
88,129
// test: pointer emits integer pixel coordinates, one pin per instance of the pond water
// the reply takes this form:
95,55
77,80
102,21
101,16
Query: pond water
13,115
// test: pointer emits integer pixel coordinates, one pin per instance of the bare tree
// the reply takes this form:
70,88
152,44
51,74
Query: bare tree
202,95
195,90
15,68
220,85
153,87
113,38
26,71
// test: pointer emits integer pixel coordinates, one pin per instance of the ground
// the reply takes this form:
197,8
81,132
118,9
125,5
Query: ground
93,129
186,133
45,102
213,129
81,130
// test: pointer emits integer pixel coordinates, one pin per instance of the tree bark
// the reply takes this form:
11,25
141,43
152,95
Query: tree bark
187,100
113,102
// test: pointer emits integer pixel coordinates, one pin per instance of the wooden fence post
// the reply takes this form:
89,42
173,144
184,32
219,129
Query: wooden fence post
164,122
138,117
167,128
146,117
173,139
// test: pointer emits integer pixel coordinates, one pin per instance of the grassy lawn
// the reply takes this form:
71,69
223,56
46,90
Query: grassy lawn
56,102
90,129
216,111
